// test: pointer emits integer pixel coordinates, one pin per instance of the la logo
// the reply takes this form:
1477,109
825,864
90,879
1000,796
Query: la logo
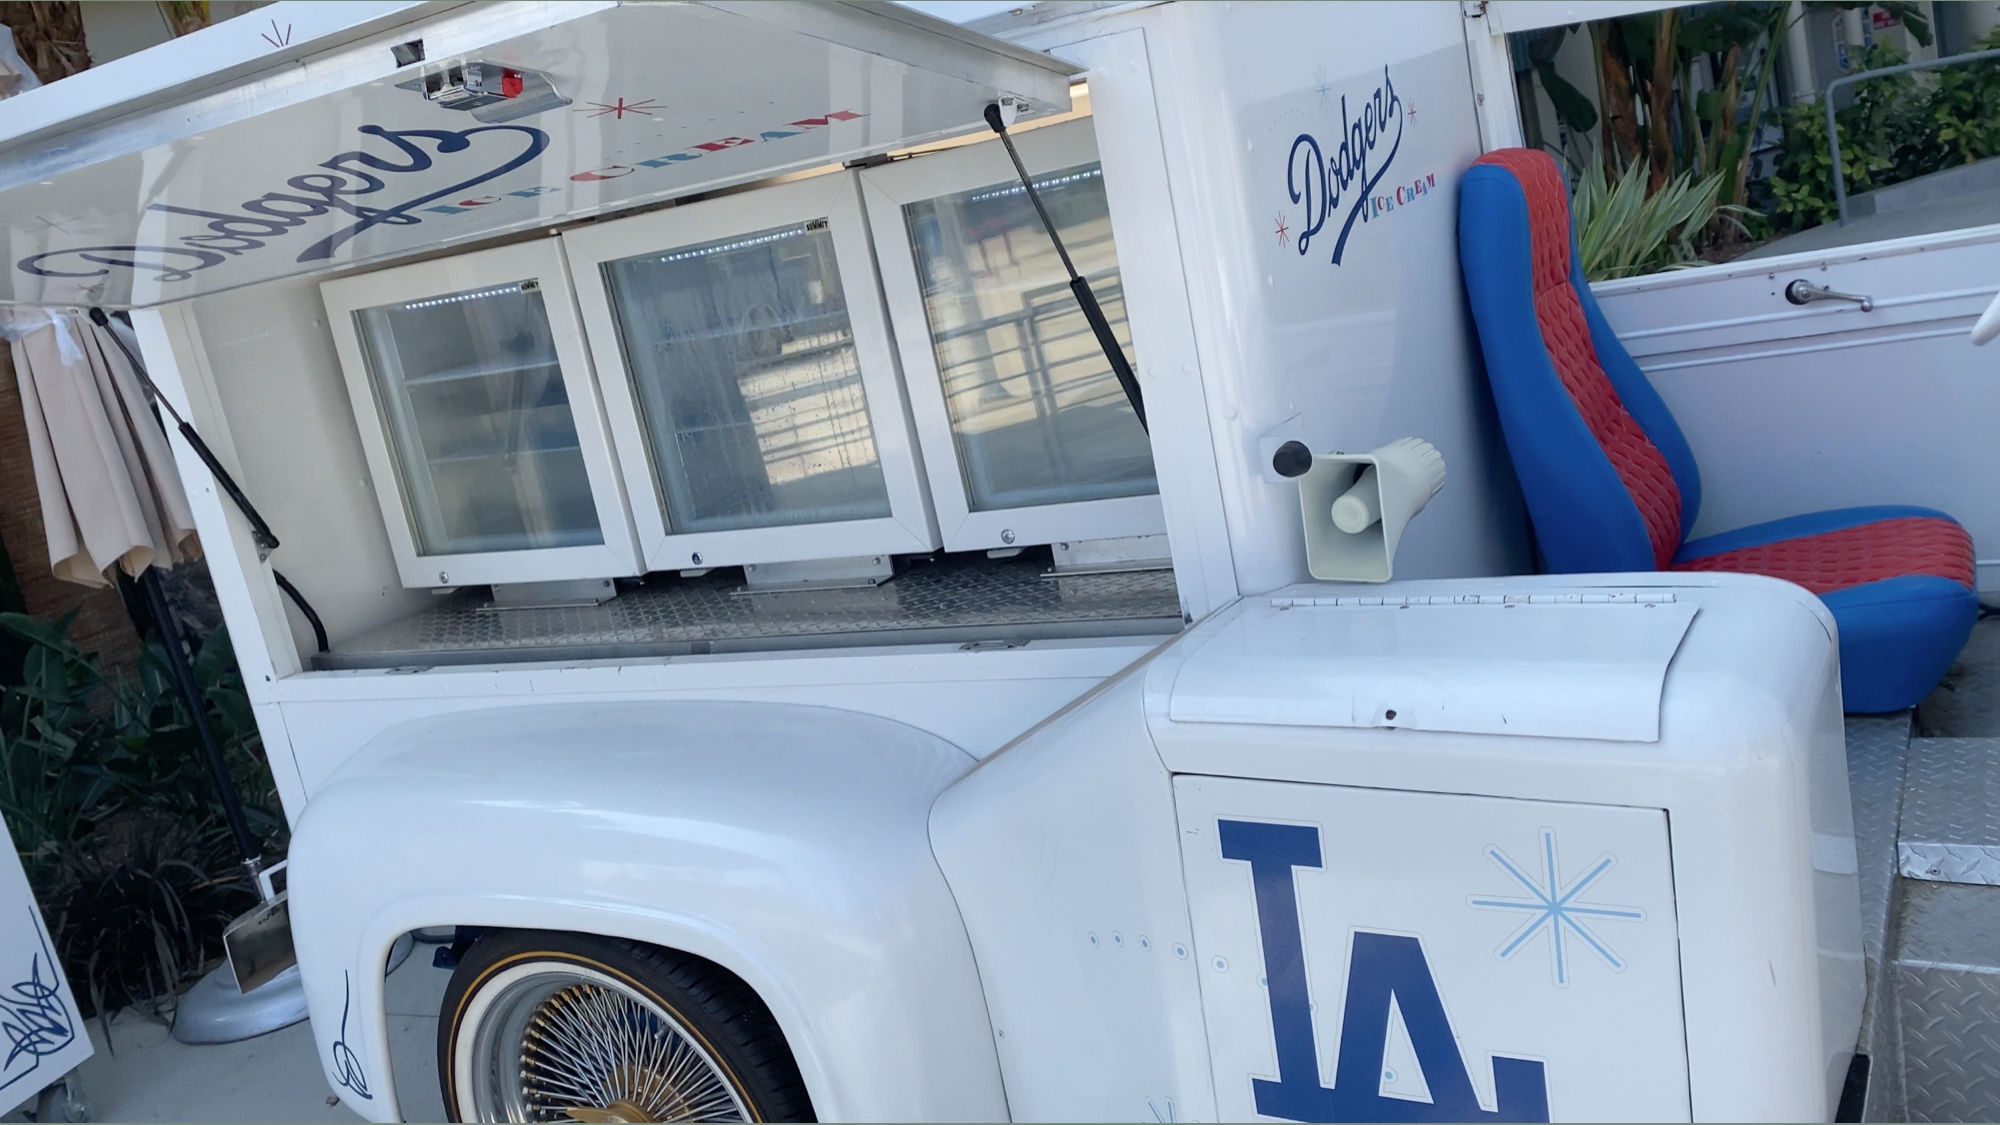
1382,968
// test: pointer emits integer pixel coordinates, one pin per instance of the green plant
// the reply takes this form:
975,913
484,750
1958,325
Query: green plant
1965,110
1623,229
1685,91
1896,128
115,816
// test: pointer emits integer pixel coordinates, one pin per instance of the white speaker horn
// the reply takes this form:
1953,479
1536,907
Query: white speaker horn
1356,506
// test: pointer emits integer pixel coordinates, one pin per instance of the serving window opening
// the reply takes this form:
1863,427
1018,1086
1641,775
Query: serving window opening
861,407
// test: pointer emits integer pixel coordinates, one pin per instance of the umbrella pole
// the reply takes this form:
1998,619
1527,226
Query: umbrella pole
218,767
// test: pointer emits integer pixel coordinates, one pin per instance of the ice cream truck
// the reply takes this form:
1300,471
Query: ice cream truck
1101,564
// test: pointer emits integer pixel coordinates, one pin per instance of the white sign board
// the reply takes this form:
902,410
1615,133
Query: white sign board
41,1032
1374,955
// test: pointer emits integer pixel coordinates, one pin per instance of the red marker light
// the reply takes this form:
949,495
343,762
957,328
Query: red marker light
510,83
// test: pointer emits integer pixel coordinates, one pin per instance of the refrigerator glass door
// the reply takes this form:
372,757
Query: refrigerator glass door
742,354
479,422
1036,414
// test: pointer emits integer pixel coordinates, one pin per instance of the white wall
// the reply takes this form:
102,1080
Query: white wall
1341,357
300,455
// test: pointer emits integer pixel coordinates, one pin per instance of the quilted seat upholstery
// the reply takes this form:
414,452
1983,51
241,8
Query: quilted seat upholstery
1610,480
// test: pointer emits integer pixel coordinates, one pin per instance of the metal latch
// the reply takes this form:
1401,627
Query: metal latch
492,92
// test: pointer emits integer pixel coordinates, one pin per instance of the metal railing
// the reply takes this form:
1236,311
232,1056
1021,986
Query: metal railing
1833,128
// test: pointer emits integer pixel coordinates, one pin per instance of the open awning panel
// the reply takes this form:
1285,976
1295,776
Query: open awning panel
536,113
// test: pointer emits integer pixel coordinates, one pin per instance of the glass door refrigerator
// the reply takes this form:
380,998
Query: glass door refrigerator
480,418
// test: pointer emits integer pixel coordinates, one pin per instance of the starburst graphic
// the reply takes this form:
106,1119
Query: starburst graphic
1283,230
621,107
1324,88
1554,906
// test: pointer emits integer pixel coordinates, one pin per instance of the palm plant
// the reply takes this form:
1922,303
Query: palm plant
1623,227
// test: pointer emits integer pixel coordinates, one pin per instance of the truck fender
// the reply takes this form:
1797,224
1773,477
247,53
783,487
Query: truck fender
787,844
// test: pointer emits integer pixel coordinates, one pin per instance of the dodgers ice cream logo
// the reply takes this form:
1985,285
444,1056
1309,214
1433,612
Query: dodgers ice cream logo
343,187
1344,181
358,184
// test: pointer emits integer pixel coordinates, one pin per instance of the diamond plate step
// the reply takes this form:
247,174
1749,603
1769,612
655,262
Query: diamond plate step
1967,703
1946,982
1951,812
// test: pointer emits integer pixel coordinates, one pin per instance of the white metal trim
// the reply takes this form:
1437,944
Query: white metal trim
909,527
1802,260
1155,275
1090,658
886,189
242,50
1496,104
542,261
1509,16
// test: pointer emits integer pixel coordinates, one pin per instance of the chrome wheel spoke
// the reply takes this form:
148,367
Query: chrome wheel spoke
559,1039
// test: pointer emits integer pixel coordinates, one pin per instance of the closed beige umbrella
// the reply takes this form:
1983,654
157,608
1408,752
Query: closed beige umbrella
110,494
112,500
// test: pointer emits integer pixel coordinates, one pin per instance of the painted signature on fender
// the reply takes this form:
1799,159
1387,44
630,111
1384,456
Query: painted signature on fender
346,1068
1325,184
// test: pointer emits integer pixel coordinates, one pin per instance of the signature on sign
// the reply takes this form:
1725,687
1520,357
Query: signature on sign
32,1014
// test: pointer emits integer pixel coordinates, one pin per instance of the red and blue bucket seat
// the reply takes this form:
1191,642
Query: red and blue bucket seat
1611,483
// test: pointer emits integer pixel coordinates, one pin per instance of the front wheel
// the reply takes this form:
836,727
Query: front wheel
572,1027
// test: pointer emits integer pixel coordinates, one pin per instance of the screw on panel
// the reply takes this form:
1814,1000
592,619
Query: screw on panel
695,558
444,578
1007,535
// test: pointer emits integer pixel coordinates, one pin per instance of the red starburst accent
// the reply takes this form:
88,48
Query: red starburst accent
621,107
1283,230
1413,113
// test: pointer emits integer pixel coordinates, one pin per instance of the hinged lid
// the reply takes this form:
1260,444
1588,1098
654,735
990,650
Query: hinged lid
1571,664
185,169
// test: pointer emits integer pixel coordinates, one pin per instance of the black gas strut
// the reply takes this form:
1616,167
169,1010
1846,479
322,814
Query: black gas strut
1113,351
261,531
267,541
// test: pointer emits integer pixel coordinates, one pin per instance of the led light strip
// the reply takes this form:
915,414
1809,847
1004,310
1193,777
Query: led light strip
455,298
738,245
1056,181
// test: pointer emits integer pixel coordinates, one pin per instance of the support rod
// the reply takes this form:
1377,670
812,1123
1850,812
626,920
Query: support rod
1113,350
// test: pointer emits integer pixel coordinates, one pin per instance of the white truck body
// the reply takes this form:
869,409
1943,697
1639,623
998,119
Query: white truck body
1521,848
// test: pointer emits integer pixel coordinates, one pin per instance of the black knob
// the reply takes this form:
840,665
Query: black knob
1292,459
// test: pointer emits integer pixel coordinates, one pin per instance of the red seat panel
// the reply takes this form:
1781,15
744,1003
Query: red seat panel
1566,334
1850,556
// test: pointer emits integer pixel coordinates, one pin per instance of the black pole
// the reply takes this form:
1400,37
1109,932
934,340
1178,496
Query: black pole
1108,343
183,673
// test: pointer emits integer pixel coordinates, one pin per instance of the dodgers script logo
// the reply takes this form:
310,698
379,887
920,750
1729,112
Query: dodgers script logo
1341,182
345,185
1382,968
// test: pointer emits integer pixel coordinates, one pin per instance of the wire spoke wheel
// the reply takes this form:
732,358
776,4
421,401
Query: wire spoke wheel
570,1043
540,1025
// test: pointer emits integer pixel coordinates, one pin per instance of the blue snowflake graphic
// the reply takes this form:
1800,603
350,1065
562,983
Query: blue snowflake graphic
1553,906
